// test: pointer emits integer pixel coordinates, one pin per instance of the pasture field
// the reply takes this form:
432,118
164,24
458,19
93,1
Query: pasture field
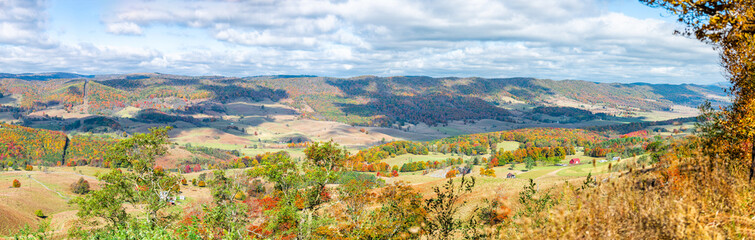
499,186
507,146
586,168
548,174
17,209
48,192
433,156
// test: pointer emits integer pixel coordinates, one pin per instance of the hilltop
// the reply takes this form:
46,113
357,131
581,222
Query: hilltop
296,108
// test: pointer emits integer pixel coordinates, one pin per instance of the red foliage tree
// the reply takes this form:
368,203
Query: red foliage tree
494,162
452,173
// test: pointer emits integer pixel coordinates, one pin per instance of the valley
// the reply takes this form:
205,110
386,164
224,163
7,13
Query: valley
358,112
537,134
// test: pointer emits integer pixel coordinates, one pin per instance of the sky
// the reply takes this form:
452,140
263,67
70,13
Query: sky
595,40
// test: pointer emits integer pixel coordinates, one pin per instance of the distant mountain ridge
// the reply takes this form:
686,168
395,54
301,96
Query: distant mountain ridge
44,76
362,100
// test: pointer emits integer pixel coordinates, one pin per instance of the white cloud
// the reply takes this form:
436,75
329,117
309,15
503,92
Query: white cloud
23,22
663,70
556,39
156,62
125,28
262,38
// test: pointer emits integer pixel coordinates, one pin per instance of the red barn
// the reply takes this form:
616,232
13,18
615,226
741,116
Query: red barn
574,161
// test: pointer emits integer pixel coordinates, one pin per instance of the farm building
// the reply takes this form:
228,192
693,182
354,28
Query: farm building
574,161
510,175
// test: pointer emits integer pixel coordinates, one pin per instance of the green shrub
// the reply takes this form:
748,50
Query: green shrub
135,230
80,187
349,176
39,213
239,196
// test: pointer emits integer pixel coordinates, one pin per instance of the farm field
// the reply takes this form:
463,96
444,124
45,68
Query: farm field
53,184
400,160
48,192
507,145
52,201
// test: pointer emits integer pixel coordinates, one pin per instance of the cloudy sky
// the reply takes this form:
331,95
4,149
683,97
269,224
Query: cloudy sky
595,40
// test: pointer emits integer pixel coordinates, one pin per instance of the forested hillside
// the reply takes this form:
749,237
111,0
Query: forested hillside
367,100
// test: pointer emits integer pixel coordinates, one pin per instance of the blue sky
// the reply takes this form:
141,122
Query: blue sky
594,40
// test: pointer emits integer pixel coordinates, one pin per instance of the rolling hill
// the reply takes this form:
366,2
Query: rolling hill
420,108
366,96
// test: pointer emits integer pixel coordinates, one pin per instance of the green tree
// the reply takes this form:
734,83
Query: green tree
107,203
301,188
326,155
39,213
529,163
442,222
356,197
533,205
43,231
142,184
80,187
226,216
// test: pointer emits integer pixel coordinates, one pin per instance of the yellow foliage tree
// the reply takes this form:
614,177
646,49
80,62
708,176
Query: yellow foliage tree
729,26
487,172
239,196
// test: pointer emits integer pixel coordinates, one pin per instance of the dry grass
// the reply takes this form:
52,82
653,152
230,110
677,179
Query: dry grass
405,158
683,196
59,113
17,205
207,136
507,145
174,158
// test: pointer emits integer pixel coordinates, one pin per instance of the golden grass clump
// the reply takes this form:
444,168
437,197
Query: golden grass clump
684,195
